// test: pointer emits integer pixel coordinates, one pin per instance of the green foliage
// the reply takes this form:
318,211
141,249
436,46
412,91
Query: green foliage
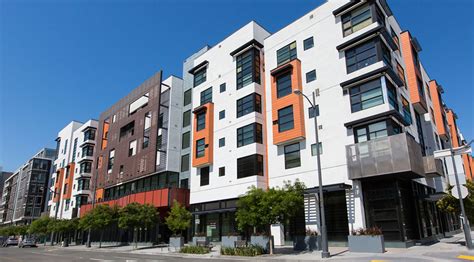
8,231
195,250
449,204
249,251
21,230
40,226
98,218
179,219
129,216
371,231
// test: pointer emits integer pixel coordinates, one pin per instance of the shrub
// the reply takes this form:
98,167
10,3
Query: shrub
249,251
371,231
195,250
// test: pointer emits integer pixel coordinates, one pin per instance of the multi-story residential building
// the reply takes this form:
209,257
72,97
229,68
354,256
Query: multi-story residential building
70,178
227,127
138,149
4,192
24,192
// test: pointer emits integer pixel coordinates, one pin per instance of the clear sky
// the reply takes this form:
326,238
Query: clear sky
70,60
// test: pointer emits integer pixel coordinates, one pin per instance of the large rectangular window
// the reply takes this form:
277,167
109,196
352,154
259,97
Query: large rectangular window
88,150
357,19
392,95
249,134
200,76
206,96
186,118
186,140
366,95
366,54
250,166
248,68
127,130
85,167
89,134
200,147
283,84
132,148
406,110
185,163
308,43
201,121
187,97
204,174
292,156
401,73
420,133
376,130
110,162
285,119
286,53
249,104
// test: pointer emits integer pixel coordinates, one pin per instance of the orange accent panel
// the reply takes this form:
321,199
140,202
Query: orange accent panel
207,133
104,134
412,72
467,166
471,159
437,108
298,132
69,181
58,185
99,194
453,129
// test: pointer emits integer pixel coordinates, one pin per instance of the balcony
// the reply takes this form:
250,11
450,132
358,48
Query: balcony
433,167
398,155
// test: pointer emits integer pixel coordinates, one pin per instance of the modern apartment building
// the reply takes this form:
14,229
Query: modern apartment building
70,179
24,192
3,177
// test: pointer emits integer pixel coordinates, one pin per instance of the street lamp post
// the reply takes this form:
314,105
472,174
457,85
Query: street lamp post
324,236
88,244
55,211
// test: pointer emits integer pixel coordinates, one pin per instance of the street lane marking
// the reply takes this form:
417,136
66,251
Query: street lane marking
374,260
466,257
46,254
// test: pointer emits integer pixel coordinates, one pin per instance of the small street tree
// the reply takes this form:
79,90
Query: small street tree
40,228
149,216
449,204
178,219
130,218
21,230
97,219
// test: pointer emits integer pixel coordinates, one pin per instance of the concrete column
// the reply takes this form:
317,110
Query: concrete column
355,206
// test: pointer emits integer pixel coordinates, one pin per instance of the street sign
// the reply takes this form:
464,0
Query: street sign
464,192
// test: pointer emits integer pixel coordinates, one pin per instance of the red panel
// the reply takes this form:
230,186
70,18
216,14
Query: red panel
140,198
149,197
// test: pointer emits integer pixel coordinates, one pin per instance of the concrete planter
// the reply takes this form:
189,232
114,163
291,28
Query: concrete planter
366,244
307,243
200,239
176,242
263,241
229,241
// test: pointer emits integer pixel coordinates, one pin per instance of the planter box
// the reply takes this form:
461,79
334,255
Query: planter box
307,243
200,239
367,244
263,241
176,242
229,241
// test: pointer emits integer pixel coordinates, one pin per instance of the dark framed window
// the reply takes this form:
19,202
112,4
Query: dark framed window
401,73
314,148
249,134
110,162
292,156
308,43
89,134
201,121
127,130
311,76
187,118
250,166
283,84
204,174
361,56
221,114
394,36
312,112
222,142
357,19
286,53
88,151
206,96
187,97
200,76
248,68
285,119
222,88
419,129
160,120
200,147
419,85
406,110
85,167
248,104
184,183
376,130
392,95
222,171
185,163
186,140
366,95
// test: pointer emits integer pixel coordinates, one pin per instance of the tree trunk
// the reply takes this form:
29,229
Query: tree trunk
135,237
100,240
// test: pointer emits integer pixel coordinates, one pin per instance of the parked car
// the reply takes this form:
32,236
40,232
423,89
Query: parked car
11,241
27,242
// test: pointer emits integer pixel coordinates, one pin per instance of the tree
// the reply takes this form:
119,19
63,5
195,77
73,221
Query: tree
7,231
449,204
97,219
21,230
178,219
40,227
130,218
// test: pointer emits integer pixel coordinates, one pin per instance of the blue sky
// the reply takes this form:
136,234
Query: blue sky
70,61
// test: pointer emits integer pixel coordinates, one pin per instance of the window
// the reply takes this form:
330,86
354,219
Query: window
392,95
221,171
159,142
146,130
249,134
74,149
366,95
110,163
200,76
420,86
65,147
401,73
428,90
285,119
292,156
201,121
433,116
204,172
185,163
85,167
127,130
88,151
222,114
222,142
186,140
147,121
248,68
376,130
200,148
420,133
249,104
283,84
312,113
187,118
187,97
138,104
250,166
132,148
313,149
89,134
406,110
357,19
361,56
308,43
286,53
311,76
206,96
184,183
394,36
160,120
222,88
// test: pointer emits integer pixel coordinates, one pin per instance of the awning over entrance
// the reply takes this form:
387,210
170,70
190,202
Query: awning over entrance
328,188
